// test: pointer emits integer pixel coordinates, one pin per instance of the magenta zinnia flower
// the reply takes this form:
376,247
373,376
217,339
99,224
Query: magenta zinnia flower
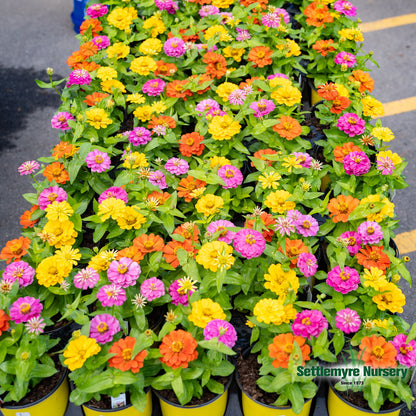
103,328
249,243
114,192
29,167
123,272
208,10
177,166
351,124
353,241
345,7
343,281
303,158
169,5
370,232
60,120
356,163
206,105
307,226
96,10
277,75
139,135
307,264
345,59
98,161
21,271
347,320
406,350
101,42
178,295
294,215
154,87
157,178
221,225
51,194
24,309
274,19
152,288
111,295
262,108
174,47
79,77
223,330
231,175
309,324
86,278
35,325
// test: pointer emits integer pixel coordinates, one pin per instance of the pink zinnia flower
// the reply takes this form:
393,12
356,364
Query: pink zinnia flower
307,226
174,47
223,330
51,194
21,271
237,97
35,325
152,288
243,34
351,124
86,278
285,226
294,215
385,165
123,272
277,75
231,175
353,241
169,5
206,105
157,178
103,328
262,108
60,120
215,112
114,192
347,320
356,163
274,19
346,59
221,225
111,295
29,167
97,10
307,264
345,7
343,281
208,10
154,87
98,161
79,77
177,166
139,135
370,232
178,295
303,158
101,42
249,243
24,309
309,324
406,350
159,130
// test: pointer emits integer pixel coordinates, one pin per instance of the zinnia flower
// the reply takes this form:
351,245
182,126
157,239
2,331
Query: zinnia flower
123,358
353,241
249,243
309,323
25,308
174,47
307,264
178,349
307,226
139,136
79,350
351,124
114,192
86,278
21,271
356,163
223,330
111,295
231,175
282,347
15,249
262,108
273,311
98,161
343,281
29,167
376,352
103,328
347,320
370,232
373,256
406,350
123,272
345,7
341,207
345,59
51,194
60,120
204,311
152,288
4,321
177,166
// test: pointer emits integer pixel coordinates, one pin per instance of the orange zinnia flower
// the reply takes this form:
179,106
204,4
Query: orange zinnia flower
75,60
259,155
327,91
317,14
366,82
165,69
191,144
95,98
188,230
288,127
187,185
260,56
341,207
201,2
341,151
376,352
216,64
94,24
267,220
123,360
373,256
339,104
323,47
56,172
201,79
131,252
88,49
4,321
15,249
166,121
175,89
157,198
248,82
63,149
282,347
147,243
25,220
88,66
171,248
293,249
261,3
178,348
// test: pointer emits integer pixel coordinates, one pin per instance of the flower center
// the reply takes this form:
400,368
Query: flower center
61,119
306,224
222,229
154,85
52,196
176,346
122,268
261,106
344,276
229,173
343,208
288,348
126,354
250,239
16,249
24,308
102,327
306,321
374,256
190,141
351,241
352,120
378,351
370,230
18,273
260,54
148,244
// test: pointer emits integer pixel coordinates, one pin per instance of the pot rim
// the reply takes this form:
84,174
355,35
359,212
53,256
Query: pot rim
381,412
226,387
61,380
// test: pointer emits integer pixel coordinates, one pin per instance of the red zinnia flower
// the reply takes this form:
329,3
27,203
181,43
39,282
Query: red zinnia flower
56,172
148,243
4,321
187,185
175,89
373,256
216,64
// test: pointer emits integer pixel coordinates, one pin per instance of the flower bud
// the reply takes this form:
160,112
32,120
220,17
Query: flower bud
49,71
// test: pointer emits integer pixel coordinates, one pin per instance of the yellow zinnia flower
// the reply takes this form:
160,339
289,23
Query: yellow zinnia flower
155,24
287,95
280,282
135,160
223,127
130,218
218,30
372,107
143,65
110,207
109,84
215,255
136,98
218,161
58,211
390,298
382,133
235,53
68,254
151,46
269,180
52,271
143,113
225,89
98,118
386,211
105,73
209,204
374,277
61,233
102,260
277,201
273,311
122,18
204,311
79,350
118,50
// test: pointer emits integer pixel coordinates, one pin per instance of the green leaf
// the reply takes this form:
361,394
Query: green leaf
98,383
295,395
77,161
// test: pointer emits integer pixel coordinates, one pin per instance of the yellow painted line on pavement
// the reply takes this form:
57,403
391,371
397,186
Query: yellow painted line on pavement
405,19
400,106
406,242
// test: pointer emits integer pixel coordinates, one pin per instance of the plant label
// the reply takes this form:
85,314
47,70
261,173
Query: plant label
119,401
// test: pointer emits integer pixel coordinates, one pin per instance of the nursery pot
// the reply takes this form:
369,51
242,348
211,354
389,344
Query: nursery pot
337,406
127,410
54,403
214,407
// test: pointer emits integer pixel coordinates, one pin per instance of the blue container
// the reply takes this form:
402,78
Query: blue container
78,13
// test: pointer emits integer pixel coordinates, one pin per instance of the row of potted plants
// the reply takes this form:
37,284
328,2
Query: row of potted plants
220,198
